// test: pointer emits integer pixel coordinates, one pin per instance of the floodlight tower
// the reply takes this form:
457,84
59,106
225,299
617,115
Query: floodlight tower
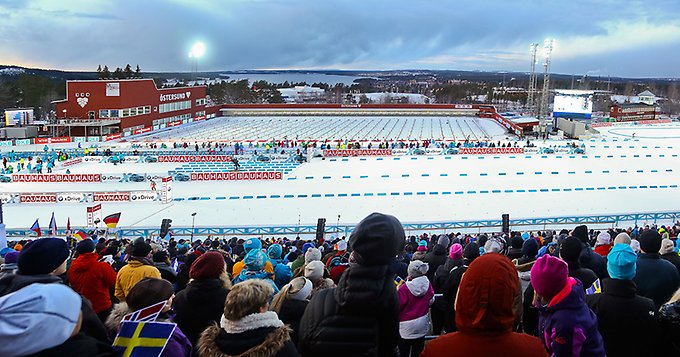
548,47
533,49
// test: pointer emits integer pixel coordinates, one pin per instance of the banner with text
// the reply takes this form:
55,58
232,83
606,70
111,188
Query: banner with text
194,158
236,176
56,178
358,152
490,151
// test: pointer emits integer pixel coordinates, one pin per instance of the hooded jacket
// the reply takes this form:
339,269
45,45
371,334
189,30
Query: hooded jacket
485,315
567,327
93,280
178,345
436,258
656,278
593,261
619,311
415,297
199,305
131,274
360,317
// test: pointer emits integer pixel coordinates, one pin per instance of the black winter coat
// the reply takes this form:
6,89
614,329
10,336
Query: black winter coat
593,261
435,259
450,291
291,314
656,278
91,326
79,345
619,311
360,317
674,258
199,305
440,278
585,275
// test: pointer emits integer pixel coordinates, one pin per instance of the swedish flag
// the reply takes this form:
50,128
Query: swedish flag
142,339
595,288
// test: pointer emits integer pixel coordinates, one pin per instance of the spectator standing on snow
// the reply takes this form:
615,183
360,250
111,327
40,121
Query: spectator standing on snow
415,297
92,279
290,303
668,253
655,278
139,266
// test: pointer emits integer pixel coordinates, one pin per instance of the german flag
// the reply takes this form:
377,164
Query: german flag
80,235
111,220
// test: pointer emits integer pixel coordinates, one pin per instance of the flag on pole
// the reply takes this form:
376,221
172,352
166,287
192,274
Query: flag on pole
595,288
147,314
36,227
68,226
80,235
53,225
111,220
142,338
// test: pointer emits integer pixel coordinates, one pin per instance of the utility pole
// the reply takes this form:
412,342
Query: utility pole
543,115
533,49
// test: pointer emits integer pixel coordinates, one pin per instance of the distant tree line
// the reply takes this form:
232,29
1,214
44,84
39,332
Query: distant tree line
119,73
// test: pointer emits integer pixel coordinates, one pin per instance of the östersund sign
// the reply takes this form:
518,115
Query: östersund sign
175,96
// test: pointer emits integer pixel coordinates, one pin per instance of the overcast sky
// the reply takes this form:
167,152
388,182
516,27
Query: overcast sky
599,37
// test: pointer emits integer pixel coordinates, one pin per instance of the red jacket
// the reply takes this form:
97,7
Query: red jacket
92,279
485,315
603,250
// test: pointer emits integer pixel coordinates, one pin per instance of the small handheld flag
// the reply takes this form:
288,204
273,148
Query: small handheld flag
595,288
398,281
36,228
111,220
143,338
148,314
80,235
53,225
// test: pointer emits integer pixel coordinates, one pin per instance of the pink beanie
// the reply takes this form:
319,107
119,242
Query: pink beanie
421,248
456,251
549,276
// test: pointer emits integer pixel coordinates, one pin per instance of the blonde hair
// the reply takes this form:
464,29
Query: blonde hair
675,297
247,298
291,288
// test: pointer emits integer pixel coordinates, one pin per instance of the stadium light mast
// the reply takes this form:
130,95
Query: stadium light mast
533,49
548,47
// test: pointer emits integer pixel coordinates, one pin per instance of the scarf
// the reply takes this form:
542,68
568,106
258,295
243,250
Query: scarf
251,322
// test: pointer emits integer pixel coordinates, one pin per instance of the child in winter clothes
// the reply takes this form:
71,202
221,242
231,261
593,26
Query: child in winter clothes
567,327
421,251
415,298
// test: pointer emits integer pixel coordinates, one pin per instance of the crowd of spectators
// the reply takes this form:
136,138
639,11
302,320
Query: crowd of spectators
377,293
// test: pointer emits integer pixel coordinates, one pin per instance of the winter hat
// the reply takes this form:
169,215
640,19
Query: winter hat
376,239
208,266
85,246
305,290
18,247
254,260
456,251
312,254
581,232
42,256
11,257
444,241
140,249
422,243
37,317
621,262
516,242
549,276
314,270
471,252
252,243
622,238
667,246
274,251
603,239
417,268
147,292
341,245
4,251
570,250
650,241
530,248
492,246
307,246
635,245
525,235
421,248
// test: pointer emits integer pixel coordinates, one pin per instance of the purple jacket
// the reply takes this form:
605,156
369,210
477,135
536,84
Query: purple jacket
415,297
178,345
567,327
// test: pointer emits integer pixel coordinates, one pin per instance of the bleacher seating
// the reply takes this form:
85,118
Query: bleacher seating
284,167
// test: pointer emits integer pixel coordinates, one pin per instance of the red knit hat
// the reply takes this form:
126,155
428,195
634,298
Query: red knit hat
208,266
549,276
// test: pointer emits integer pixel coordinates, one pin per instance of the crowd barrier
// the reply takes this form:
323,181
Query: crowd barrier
630,123
81,197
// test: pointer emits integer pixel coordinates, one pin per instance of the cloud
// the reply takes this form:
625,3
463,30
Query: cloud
349,34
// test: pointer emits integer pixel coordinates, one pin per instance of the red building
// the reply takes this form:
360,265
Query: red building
125,107
633,112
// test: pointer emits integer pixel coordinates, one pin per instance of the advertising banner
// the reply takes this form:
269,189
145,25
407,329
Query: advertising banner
433,151
166,190
72,162
63,139
6,143
194,158
56,178
399,152
236,176
74,197
174,123
490,151
112,177
113,137
94,213
38,197
145,196
22,142
7,198
142,130
359,152
131,159
111,196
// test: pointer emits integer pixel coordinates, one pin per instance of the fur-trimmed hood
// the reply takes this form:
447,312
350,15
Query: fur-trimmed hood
116,317
260,342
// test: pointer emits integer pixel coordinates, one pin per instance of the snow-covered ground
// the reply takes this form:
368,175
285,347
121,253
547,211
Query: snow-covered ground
618,175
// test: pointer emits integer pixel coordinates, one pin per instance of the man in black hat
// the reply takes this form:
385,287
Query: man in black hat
588,258
656,278
361,315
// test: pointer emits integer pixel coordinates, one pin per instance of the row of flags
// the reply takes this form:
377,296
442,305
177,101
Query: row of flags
111,221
